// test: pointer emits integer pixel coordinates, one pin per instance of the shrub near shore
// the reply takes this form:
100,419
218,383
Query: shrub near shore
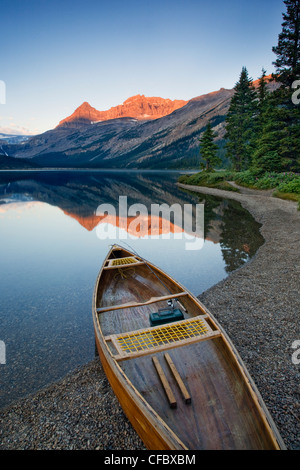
214,179
286,185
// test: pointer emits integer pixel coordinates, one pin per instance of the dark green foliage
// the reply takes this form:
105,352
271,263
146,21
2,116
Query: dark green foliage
215,179
288,49
263,127
13,163
285,182
185,163
209,149
277,146
262,103
238,243
240,123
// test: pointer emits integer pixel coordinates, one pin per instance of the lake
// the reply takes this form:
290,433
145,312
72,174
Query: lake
52,246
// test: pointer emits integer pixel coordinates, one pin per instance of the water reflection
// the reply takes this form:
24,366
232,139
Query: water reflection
233,228
78,194
50,256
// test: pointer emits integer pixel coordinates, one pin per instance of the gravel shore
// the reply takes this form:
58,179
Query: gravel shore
258,305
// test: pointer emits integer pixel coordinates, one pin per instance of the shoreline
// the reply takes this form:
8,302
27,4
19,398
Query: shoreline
81,411
258,305
58,169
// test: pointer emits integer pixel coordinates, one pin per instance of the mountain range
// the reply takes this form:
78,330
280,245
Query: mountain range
141,133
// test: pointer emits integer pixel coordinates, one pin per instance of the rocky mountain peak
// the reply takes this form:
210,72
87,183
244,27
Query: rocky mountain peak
139,107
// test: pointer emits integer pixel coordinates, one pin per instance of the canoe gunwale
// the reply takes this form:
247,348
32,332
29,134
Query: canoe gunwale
169,440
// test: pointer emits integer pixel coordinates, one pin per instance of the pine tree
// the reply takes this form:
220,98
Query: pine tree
240,124
288,49
277,148
266,156
278,144
262,106
209,149
262,93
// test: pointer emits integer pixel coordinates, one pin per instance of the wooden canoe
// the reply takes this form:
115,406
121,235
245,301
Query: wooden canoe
181,383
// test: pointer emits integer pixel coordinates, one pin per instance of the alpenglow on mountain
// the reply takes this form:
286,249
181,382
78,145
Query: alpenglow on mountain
138,107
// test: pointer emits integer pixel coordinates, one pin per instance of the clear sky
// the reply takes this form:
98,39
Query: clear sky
55,54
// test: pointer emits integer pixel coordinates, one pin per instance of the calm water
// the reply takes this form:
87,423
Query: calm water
50,256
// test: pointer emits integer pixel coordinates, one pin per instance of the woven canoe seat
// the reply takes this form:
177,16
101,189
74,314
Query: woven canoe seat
150,340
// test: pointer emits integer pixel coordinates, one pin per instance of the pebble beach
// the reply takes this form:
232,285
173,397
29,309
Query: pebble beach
258,305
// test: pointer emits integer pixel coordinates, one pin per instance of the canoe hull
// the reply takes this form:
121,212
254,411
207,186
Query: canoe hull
147,426
148,419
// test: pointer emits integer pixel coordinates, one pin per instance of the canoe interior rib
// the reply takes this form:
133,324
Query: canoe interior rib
185,372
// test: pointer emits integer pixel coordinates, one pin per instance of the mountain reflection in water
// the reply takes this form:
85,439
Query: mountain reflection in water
50,257
79,194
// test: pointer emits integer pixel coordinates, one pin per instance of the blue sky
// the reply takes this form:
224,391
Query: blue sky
55,54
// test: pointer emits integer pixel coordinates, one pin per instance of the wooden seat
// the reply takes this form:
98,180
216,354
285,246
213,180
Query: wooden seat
117,263
172,335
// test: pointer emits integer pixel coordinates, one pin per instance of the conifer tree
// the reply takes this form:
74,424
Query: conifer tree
267,153
262,93
240,123
208,149
262,106
288,49
278,145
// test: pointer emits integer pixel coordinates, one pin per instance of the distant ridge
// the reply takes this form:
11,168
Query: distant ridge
138,107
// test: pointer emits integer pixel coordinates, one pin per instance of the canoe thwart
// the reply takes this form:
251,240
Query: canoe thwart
177,377
140,304
147,341
165,383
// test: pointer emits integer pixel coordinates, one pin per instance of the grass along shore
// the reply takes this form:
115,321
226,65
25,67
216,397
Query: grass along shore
284,185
